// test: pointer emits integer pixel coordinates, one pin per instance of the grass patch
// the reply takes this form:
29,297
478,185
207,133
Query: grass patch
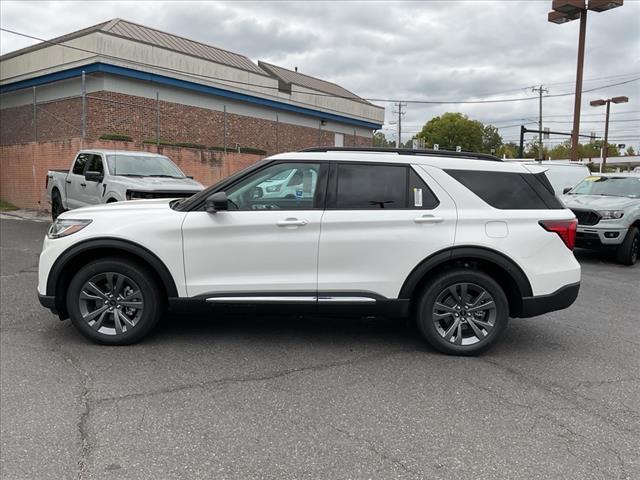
6,206
115,136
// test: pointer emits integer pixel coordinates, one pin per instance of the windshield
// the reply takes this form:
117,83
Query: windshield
609,186
143,166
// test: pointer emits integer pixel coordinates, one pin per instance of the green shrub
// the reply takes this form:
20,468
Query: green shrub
116,136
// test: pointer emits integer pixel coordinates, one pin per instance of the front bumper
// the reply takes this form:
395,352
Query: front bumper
558,300
600,236
48,301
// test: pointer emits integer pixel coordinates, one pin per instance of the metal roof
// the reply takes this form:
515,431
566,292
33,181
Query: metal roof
296,78
152,36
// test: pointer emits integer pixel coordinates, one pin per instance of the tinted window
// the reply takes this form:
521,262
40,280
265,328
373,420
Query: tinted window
81,161
371,186
284,186
95,164
509,190
420,196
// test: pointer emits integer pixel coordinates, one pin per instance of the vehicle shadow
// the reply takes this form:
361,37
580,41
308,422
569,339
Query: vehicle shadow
595,256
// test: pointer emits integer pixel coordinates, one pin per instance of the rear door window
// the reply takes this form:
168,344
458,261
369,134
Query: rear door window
366,186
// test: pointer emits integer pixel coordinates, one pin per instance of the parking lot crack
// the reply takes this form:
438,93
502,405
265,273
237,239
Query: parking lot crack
256,378
85,412
372,447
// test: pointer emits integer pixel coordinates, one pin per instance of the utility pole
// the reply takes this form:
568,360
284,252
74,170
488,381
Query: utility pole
540,91
400,113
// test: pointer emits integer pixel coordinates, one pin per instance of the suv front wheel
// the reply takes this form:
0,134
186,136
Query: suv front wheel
462,312
114,301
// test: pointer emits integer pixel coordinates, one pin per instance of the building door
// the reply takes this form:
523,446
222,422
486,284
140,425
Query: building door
339,140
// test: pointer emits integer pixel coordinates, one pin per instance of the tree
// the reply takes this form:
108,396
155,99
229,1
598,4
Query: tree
508,150
455,129
491,139
379,140
630,151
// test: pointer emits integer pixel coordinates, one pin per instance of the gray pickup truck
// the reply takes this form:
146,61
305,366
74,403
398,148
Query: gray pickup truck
607,207
104,176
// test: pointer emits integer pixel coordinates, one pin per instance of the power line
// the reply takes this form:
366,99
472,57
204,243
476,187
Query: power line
371,99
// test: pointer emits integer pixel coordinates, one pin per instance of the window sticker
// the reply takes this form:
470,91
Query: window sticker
417,197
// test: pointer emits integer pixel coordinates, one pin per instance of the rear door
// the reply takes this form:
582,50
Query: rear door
74,181
381,221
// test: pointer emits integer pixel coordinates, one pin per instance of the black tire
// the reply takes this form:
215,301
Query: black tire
56,205
628,251
135,278
469,284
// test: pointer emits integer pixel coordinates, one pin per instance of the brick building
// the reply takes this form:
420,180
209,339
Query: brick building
152,90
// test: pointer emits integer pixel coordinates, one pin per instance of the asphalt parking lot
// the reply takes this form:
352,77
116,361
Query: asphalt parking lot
315,398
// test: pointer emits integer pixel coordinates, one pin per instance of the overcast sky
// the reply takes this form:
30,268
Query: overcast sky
430,50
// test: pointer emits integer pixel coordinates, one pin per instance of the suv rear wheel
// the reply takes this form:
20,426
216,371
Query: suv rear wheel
462,312
114,301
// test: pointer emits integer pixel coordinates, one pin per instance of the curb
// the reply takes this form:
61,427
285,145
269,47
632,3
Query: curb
31,215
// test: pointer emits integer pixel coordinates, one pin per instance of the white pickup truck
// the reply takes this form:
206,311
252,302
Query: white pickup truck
105,176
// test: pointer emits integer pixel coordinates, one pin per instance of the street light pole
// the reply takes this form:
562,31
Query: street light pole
578,97
605,147
564,11
607,102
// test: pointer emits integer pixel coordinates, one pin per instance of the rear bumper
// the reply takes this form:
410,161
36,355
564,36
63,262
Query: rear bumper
558,300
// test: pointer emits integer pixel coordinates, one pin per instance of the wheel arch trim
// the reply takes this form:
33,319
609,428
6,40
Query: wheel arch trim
116,244
459,252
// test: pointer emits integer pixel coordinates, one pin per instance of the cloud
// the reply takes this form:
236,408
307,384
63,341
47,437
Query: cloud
436,50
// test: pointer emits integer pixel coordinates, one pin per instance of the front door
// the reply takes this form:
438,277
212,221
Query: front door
266,242
90,192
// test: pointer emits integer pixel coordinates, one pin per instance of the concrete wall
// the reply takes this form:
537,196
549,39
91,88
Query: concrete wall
24,166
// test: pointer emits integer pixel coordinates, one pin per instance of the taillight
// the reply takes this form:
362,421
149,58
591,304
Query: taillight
566,229
46,182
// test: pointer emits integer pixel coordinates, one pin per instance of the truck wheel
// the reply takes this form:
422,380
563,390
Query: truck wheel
627,253
114,301
56,205
462,312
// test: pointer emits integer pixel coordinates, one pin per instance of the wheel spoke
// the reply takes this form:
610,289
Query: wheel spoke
84,295
479,298
482,307
453,290
135,294
131,304
463,293
459,334
91,315
479,333
117,323
486,325
96,290
449,333
446,308
118,286
98,323
125,318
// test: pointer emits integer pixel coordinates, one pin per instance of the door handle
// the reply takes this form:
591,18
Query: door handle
291,222
428,219
68,181
83,184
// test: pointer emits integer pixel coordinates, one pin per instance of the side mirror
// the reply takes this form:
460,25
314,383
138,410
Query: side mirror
92,176
216,202
190,177
566,190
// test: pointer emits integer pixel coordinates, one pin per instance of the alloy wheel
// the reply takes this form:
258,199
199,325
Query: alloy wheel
464,313
111,303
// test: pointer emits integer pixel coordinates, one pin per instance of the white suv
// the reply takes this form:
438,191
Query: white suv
460,242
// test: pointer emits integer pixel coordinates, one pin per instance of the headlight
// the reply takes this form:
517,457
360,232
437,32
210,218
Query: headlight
610,214
63,228
273,188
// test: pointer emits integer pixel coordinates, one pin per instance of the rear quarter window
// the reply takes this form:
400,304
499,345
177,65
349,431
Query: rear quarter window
509,190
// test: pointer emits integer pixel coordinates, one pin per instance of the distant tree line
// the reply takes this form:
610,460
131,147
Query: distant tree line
451,130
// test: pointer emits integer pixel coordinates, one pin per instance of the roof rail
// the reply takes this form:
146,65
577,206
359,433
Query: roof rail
407,151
